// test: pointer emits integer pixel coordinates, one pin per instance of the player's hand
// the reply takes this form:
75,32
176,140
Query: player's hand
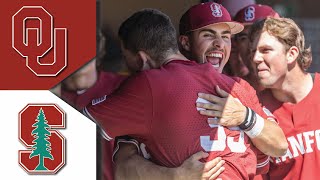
228,110
192,168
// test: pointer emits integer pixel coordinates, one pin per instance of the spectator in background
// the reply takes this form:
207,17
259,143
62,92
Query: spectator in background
240,65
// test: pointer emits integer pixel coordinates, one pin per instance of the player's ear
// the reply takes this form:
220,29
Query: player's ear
292,54
145,60
184,42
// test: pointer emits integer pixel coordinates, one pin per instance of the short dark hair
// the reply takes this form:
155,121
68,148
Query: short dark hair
151,31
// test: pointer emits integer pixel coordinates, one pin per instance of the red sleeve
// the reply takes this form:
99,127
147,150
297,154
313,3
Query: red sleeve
124,112
263,163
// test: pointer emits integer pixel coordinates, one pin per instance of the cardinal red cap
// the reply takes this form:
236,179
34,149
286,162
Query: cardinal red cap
205,14
254,12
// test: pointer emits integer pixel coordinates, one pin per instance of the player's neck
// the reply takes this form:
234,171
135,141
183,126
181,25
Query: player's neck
295,87
175,56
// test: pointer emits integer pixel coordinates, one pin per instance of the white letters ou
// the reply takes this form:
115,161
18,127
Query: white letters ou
221,143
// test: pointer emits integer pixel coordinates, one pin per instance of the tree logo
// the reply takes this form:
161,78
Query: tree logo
46,147
42,146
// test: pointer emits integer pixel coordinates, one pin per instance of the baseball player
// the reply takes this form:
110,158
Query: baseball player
292,94
241,64
282,58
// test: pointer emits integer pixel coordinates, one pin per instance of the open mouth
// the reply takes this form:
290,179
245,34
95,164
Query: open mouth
214,58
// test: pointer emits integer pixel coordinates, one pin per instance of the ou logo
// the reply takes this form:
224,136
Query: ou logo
45,145
33,37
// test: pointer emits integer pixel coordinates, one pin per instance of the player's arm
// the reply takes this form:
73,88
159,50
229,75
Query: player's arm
129,164
265,134
110,112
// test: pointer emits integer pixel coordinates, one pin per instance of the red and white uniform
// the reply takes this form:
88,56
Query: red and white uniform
105,85
157,108
301,125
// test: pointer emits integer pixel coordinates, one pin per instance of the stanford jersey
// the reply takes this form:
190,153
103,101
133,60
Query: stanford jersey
301,125
157,108
106,83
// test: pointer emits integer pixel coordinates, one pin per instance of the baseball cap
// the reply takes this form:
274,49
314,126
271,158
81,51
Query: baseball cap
205,14
254,12
233,6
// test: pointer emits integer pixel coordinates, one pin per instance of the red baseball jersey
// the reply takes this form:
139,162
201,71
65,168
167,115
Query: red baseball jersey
105,85
301,125
107,82
157,108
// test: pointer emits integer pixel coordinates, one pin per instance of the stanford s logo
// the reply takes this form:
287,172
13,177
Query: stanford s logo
45,152
249,14
216,10
33,37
